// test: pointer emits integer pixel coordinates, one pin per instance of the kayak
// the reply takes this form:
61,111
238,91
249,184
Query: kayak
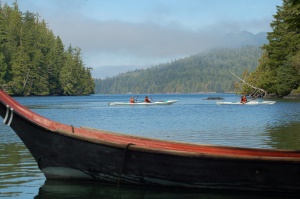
167,102
248,103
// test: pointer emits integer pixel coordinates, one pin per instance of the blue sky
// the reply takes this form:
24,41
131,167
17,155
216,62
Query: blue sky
120,35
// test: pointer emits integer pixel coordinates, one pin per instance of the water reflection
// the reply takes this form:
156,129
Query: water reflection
19,173
60,189
285,136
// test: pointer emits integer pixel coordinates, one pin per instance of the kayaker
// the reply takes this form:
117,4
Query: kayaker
243,99
132,100
147,100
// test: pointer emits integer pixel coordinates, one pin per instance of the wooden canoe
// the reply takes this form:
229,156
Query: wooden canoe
67,152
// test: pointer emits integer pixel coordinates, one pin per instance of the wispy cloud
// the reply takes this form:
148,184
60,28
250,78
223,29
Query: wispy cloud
144,33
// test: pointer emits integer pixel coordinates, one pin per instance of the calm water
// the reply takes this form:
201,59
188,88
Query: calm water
191,119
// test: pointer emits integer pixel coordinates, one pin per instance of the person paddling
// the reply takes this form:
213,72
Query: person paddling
132,100
243,99
147,100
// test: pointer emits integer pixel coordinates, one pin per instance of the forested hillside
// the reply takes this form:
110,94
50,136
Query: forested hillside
33,61
278,71
205,72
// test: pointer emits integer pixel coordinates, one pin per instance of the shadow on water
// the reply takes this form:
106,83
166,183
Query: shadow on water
63,189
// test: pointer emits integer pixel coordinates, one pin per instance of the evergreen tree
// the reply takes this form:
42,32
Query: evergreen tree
3,69
11,22
54,62
33,61
288,78
3,65
74,78
276,70
66,78
205,72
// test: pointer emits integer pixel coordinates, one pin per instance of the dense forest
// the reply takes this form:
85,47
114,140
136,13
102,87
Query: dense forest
274,70
278,71
33,61
205,72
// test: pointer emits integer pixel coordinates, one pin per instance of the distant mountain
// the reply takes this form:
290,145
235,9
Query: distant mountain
262,38
244,38
204,72
230,40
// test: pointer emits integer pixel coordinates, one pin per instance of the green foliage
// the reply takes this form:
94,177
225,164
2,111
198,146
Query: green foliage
278,70
287,79
3,68
33,61
205,72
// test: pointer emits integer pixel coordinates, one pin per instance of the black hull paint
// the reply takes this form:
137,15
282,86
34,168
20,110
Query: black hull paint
61,156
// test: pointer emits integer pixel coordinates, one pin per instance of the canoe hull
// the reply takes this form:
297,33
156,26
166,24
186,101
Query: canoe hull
66,152
63,157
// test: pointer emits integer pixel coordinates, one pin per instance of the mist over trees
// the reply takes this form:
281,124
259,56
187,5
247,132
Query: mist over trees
204,72
275,69
33,60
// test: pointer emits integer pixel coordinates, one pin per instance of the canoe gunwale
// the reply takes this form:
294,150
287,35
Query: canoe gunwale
148,144
106,156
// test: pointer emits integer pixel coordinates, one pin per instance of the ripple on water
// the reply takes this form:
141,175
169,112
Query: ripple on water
19,172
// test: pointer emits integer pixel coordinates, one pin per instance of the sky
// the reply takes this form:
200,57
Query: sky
120,35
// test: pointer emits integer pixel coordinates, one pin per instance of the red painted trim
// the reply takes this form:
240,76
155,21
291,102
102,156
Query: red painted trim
30,115
140,142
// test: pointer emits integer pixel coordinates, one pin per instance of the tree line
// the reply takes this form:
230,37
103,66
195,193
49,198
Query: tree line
33,61
275,69
278,71
203,72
